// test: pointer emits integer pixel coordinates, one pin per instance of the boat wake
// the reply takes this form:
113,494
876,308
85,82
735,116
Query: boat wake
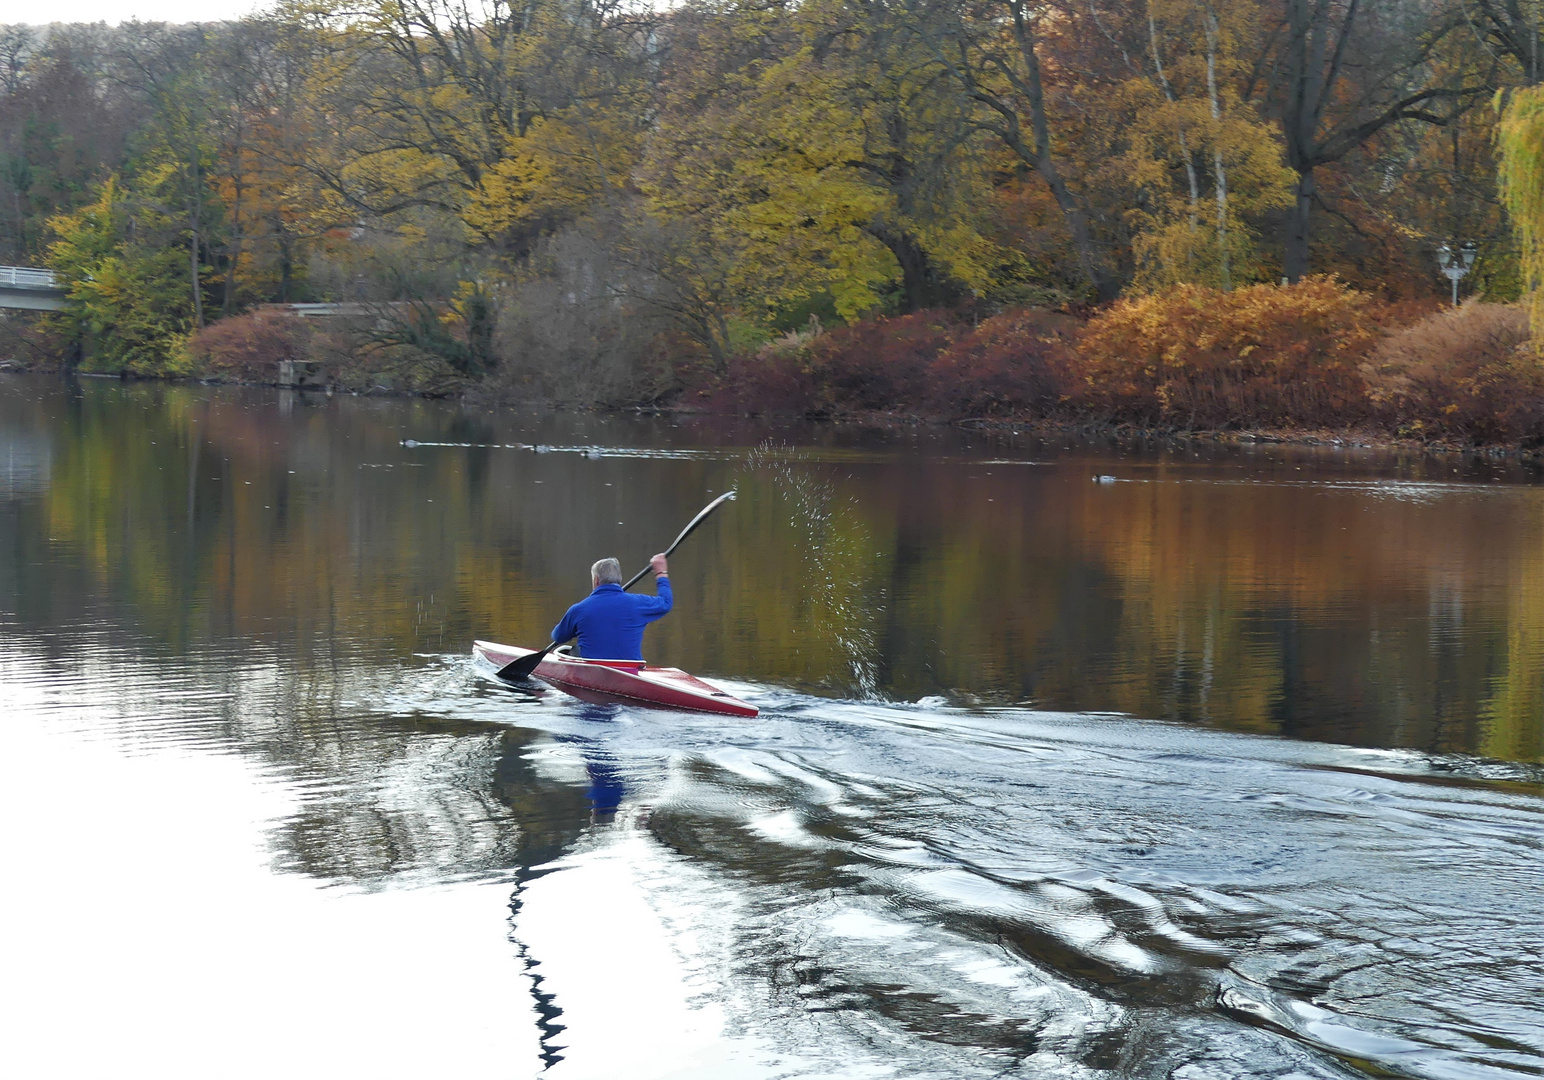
848,884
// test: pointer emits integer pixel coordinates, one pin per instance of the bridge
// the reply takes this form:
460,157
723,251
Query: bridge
30,288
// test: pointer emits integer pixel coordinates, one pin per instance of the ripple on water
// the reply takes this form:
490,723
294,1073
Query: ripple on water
841,886
1142,878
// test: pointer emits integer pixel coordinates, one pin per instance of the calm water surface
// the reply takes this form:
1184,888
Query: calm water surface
1075,759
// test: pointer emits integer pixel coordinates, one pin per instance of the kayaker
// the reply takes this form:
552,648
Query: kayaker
609,622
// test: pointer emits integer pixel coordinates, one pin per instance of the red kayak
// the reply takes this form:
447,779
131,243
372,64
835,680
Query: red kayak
621,680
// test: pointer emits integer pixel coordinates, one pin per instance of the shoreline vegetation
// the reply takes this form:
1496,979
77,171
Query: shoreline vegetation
1158,215
1316,362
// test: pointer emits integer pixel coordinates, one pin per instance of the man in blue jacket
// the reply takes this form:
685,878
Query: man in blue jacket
609,622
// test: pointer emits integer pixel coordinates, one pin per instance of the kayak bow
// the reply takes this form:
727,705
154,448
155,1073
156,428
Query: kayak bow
628,680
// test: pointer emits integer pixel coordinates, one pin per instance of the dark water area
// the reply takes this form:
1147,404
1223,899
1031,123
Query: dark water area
1075,758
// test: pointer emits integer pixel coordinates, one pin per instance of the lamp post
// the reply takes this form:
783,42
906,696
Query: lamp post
1456,264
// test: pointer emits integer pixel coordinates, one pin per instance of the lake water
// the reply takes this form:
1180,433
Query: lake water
1076,759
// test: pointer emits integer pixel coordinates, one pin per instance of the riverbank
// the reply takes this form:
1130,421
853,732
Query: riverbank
1288,362
1115,433
1362,438
1312,363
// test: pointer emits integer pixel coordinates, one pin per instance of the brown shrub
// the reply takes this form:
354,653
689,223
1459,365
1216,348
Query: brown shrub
1462,374
769,381
1192,357
880,364
249,347
1017,363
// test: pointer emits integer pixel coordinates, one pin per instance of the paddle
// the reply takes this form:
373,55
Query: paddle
523,667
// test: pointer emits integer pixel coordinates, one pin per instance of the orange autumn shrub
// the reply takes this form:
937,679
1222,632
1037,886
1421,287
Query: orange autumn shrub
1192,357
1463,375
1015,364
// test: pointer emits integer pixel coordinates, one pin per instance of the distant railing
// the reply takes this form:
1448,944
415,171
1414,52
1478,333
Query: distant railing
346,309
27,277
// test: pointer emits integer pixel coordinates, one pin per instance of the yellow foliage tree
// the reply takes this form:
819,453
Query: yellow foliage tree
1520,136
1203,163
505,118
826,156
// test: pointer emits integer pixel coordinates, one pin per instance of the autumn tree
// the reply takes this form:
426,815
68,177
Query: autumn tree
506,116
1335,73
258,71
123,258
165,66
1514,29
63,128
1205,168
837,162
994,53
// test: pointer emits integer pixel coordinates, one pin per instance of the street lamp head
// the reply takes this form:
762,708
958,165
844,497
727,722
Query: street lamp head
1456,266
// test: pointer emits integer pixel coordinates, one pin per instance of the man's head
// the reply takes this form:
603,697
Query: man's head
606,572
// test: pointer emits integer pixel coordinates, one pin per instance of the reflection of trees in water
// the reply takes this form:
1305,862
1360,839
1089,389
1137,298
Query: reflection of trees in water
445,802
1513,729
1293,610
209,520
380,796
375,795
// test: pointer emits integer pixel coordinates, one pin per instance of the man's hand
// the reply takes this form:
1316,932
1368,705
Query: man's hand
658,565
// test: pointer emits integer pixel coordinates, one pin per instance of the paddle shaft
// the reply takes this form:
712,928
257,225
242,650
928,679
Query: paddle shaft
523,667
701,514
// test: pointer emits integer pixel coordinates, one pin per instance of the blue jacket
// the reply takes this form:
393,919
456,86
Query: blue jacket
610,622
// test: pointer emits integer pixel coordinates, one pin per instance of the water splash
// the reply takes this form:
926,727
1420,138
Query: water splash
836,559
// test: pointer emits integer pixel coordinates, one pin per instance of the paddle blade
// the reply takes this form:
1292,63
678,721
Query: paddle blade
521,669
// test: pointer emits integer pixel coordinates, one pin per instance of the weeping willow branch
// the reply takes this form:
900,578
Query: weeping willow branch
1520,136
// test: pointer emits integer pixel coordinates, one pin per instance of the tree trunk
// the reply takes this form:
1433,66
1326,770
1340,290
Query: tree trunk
1105,287
923,283
1294,263
227,302
194,204
1224,255
198,300
720,344
1219,170
1184,145
1313,69
286,264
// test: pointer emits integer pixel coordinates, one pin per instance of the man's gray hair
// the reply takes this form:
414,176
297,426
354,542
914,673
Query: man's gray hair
606,572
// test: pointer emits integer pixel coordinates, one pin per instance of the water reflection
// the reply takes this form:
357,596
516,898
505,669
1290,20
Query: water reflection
233,660
606,788
1375,600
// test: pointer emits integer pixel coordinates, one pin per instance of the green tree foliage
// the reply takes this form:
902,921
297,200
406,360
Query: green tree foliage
1521,138
125,258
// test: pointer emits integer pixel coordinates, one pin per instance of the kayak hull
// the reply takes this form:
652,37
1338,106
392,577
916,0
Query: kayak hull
624,680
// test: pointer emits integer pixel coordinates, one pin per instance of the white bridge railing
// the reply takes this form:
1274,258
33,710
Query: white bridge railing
27,277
